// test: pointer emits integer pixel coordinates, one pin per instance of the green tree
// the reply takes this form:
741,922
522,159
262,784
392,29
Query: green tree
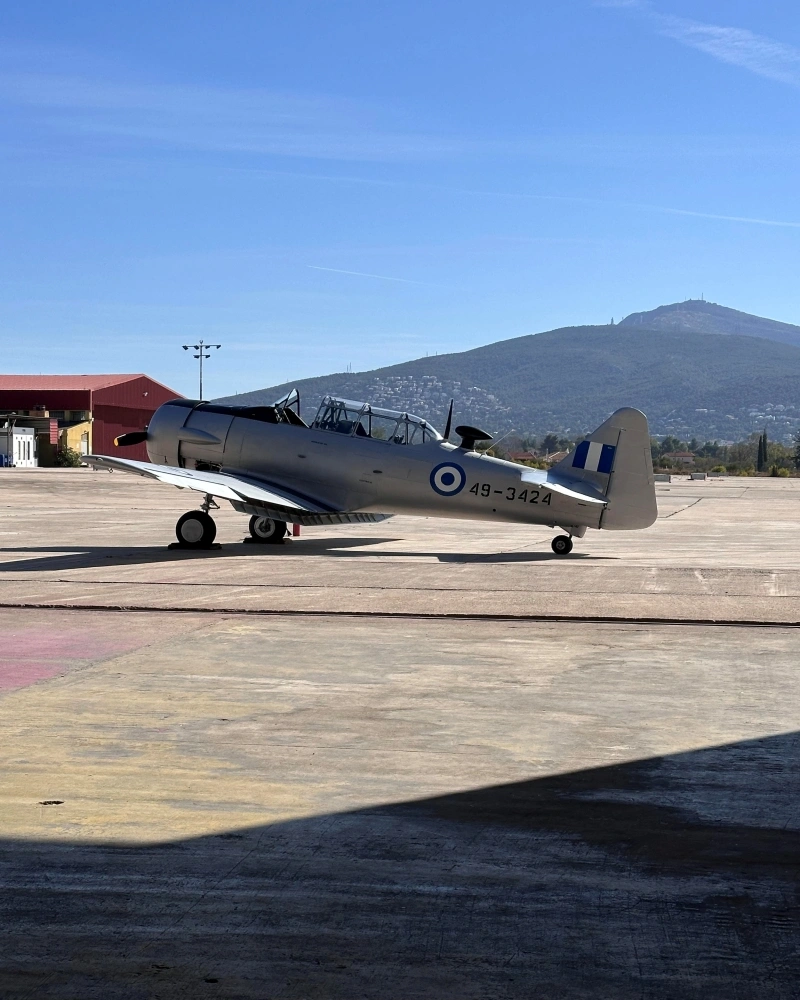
796,455
68,458
550,443
762,459
670,444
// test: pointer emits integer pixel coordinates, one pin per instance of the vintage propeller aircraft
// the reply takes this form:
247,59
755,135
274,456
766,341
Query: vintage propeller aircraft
356,462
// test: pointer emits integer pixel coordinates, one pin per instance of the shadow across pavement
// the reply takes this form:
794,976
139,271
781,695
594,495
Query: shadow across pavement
53,558
64,557
669,878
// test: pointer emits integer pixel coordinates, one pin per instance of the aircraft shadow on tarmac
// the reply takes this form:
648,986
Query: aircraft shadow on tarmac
669,878
64,557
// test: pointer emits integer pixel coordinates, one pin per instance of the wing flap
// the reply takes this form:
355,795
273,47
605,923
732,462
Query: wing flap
246,495
218,484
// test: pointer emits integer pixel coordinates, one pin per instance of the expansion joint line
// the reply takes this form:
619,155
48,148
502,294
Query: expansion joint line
402,615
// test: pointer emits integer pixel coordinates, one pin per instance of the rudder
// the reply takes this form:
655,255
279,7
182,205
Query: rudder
616,460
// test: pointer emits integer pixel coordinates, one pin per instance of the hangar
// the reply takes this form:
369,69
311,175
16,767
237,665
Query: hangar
84,412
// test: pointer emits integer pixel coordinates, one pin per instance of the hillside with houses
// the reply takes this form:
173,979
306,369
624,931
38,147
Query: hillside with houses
687,366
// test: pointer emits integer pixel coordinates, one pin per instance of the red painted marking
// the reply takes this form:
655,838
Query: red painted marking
26,672
28,655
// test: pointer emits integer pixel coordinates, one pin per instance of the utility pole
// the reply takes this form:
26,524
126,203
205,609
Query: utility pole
201,348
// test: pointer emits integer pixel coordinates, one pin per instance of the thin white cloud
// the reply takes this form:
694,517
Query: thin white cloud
445,189
363,274
735,46
213,119
96,107
99,108
666,209
722,218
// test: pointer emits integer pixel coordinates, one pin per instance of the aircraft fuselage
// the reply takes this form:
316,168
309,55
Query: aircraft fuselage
367,474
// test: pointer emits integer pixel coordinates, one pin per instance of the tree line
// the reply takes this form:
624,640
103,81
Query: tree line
754,455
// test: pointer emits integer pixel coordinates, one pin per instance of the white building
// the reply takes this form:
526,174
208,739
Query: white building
18,447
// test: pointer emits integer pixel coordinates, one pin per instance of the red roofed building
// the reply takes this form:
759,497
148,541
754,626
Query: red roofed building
678,458
107,406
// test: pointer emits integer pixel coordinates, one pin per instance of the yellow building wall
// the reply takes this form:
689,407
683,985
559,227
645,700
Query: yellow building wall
70,437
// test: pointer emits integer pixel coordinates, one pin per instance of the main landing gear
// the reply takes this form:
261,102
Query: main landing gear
196,528
267,530
561,545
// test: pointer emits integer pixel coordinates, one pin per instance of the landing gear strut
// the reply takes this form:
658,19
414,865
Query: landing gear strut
196,530
561,545
266,529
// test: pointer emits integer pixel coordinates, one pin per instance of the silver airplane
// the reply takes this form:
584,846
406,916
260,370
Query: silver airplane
359,463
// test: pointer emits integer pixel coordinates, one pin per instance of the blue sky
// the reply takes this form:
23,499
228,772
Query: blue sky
363,182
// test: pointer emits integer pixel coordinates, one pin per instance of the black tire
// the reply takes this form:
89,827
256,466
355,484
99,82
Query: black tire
196,530
561,545
266,530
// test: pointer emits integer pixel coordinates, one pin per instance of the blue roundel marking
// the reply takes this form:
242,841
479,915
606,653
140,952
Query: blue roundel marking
448,479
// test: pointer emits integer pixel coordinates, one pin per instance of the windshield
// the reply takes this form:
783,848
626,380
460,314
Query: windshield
345,416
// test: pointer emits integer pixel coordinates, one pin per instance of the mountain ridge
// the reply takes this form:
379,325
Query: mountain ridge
700,316
716,385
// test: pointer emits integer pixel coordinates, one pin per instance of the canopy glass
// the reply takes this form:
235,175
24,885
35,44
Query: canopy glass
345,416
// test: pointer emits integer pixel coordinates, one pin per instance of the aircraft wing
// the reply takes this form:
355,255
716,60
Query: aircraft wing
247,495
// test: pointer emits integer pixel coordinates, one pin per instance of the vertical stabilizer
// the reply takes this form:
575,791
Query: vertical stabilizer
615,459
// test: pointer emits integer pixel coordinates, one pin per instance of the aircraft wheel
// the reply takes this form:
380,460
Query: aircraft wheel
266,529
196,530
561,545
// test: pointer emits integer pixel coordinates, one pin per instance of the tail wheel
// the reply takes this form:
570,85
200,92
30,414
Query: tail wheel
196,530
561,545
266,529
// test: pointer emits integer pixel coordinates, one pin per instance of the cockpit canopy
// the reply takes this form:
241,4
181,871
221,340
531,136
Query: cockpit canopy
344,416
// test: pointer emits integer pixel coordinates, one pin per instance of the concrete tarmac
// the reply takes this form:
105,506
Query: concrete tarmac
720,550
298,773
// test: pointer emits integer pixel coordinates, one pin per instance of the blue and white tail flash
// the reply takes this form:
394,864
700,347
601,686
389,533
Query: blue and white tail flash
594,457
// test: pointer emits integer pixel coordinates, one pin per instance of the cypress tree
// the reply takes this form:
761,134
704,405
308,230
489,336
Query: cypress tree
763,451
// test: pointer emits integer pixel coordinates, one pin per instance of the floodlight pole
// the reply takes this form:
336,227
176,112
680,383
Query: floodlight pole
201,348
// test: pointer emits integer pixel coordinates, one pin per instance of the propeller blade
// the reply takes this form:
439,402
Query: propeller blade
449,421
134,437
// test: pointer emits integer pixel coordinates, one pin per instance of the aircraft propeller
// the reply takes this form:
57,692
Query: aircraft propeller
449,421
132,437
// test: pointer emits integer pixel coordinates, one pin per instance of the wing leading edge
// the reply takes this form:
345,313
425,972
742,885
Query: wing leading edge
246,495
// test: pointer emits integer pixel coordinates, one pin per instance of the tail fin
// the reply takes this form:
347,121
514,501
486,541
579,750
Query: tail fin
615,459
